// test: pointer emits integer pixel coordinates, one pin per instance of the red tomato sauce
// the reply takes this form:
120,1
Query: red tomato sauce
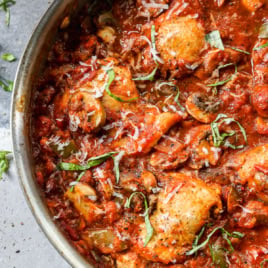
150,133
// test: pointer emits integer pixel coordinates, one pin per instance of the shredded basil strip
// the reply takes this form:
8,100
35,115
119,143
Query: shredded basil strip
149,77
5,4
149,227
5,84
8,57
262,263
260,47
4,163
240,50
263,33
111,77
225,234
220,138
92,162
78,179
176,99
214,39
220,83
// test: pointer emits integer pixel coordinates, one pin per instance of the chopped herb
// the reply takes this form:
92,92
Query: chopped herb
149,77
240,50
220,83
78,179
225,234
4,5
264,31
4,163
214,39
5,84
8,57
153,50
176,99
149,227
111,77
220,138
92,162
260,47
262,263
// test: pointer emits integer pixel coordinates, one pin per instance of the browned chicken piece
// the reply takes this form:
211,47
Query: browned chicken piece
153,127
169,154
106,240
138,181
183,207
252,167
259,99
255,213
86,112
130,260
179,42
215,58
260,62
253,5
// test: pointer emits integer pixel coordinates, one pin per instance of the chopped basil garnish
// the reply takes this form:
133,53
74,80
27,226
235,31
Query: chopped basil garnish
149,227
111,77
220,83
4,5
92,162
5,84
225,235
8,57
4,163
214,39
262,263
220,138
264,31
260,47
176,99
78,179
240,50
149,77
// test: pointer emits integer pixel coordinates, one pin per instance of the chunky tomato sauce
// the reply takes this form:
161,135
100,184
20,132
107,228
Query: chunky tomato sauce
150,133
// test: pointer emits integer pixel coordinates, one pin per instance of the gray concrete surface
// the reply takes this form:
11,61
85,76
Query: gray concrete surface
22,243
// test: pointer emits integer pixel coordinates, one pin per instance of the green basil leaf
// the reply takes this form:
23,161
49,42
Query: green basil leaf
262,263
149,227
92,162
220,138
225,234
7,85
111,77
4,163
263,33
240,50
8,57
214,39
78,179
260,47
149,77
5,4
220,83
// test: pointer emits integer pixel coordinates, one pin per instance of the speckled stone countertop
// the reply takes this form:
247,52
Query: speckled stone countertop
22,243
